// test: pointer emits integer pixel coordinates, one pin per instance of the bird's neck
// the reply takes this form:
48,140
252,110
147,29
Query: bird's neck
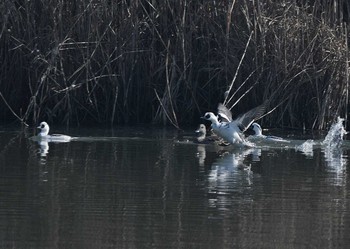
215,122
258,132
44,133
201,137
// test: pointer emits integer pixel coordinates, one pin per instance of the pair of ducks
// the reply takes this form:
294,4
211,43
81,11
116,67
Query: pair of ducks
232,131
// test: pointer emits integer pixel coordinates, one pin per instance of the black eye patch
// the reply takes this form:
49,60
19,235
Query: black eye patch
42,126
207,116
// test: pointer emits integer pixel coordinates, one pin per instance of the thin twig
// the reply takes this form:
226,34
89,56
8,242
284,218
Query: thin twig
165,111
239,65
13,112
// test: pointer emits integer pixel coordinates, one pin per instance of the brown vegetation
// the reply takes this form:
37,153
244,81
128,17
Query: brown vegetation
122,62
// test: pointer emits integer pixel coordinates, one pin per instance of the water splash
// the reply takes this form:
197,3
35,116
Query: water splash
306,148
248,144
333,152
335,135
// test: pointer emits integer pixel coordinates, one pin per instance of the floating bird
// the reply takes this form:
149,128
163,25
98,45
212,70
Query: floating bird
202,137
44,135
232,130
259,136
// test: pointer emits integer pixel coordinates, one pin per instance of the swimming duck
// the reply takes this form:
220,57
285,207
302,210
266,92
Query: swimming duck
44,135
202,134
258,135
232,130
202,137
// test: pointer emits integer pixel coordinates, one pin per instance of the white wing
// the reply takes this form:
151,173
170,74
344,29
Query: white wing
224,113
246,119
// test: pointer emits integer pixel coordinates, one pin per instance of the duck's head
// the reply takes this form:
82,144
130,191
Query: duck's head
257,129
44,129
202,130
211,117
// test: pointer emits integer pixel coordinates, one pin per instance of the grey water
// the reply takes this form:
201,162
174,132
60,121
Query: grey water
148,188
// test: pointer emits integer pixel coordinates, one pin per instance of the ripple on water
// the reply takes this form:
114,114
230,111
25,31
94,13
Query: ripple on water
156,193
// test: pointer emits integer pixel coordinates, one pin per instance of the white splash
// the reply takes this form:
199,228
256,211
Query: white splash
333,152
335,135
306,148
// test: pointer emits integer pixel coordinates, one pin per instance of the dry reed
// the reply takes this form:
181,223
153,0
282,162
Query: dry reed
123,62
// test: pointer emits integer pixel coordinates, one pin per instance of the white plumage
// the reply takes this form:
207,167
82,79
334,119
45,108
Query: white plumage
259,136
232,130
44,135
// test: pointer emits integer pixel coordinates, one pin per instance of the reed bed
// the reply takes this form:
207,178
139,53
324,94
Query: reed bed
167,62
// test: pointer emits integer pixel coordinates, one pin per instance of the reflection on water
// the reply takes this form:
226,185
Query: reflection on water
336,160
229,173
139,189
44,148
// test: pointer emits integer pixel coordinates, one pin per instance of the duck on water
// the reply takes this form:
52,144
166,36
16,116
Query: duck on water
232,130
43,135
258,135
203,138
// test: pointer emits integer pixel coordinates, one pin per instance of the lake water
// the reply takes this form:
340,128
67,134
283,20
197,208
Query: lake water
146,188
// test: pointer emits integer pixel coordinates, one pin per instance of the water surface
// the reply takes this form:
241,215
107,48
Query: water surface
144,188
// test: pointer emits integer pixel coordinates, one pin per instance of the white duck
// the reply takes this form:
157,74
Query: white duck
232,130
204,138
259,136
44,135
202,135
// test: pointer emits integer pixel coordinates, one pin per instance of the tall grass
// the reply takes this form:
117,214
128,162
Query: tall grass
122,62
